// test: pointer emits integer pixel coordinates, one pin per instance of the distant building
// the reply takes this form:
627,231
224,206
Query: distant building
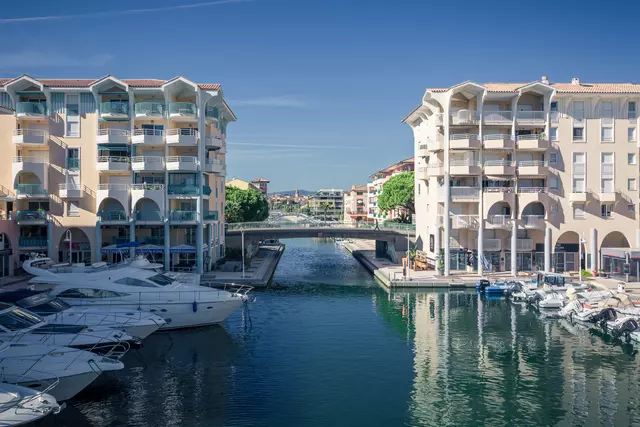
242,185
374,188
355,204
327,204
261,183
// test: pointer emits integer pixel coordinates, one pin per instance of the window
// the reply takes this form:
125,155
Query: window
18,319
606,110
73,158
578,211
153,129
606,134
90,293
132,281
631,158
578,134
418,189
631,111
73,117
73,208
553,132
553,158
553,183
606,172
554,111
579,172
631,184
631,134
554,208
578,110
632,208
606,210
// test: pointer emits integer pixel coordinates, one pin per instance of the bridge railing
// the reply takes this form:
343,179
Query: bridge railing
400,228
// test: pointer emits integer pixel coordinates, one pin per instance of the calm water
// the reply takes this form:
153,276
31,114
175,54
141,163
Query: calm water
328,347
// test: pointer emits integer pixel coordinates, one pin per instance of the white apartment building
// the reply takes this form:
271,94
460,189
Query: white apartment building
327,204
375,185
95,165
355,205
530,169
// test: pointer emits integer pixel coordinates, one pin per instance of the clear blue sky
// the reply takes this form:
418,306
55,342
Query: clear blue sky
320,86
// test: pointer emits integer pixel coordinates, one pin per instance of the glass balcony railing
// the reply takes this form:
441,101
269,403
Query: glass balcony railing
183,216
183,108
152,240
119,107
120,239
150,108
183,189
211,112
27,242
112,215
39,108
210,215
73,163
147,215
31,215
206,190
31,190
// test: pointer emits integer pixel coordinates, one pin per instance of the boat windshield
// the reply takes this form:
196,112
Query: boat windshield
53,306
18,319
161,279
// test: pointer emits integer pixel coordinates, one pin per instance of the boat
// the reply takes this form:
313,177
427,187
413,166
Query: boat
21,405
139,324
551,300
60,371
18,325
618,326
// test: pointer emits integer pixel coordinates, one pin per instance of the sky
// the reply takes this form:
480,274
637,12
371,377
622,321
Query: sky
320,86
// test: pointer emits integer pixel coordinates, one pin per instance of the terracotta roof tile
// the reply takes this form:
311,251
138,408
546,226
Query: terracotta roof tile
260,180
88,82
561,87
209,86
144,82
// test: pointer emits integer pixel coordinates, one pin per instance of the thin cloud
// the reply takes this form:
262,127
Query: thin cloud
272,101
118,12
46,59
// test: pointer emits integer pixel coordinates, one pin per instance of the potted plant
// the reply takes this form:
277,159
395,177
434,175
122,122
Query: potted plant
440,265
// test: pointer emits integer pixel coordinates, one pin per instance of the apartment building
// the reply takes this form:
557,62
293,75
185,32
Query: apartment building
327,204
522,174
262,184
101,164
374,189
355,205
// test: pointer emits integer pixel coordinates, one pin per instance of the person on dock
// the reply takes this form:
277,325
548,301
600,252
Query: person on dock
377,227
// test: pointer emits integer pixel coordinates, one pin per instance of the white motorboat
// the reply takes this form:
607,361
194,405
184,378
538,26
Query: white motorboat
139,324
21,405
18,325
618,325
551,299
61,371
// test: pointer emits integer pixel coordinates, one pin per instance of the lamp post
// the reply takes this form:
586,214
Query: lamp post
69,239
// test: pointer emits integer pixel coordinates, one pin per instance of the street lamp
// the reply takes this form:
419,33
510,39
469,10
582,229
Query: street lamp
69,239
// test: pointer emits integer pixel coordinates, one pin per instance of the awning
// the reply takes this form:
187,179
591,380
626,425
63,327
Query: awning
186,249
112,249
150,249
497,178
114,147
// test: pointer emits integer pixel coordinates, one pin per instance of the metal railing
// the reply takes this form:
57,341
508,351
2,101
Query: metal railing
114,132
524,244
32,133
73,163
465,221
183,108
388,226
464,163
210,215
31,190
184,189
525,163
531,116
114,159
531,137
36,108
147,215
113,215
113,187
31,215
536,221
532,189
497,136
498,116
499,220
148,132
159,161
115,107
147,187
31,159
464,116
67,187
182,159
498,162
491,245
149,108
32,241
177,215
458,136
183,131
497,189
465,192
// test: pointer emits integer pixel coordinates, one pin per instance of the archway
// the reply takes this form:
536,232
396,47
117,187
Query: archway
28,184
499,214
111,209
614,257
615,239
147,210
566,251
533,209
74,246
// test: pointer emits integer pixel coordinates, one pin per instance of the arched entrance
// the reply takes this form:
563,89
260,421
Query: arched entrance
615,239
74,246
566,251
5,255
616,257
111,209
147,210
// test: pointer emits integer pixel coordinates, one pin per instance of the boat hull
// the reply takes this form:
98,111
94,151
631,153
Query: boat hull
66,388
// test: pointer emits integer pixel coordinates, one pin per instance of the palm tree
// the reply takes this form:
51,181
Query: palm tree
325,207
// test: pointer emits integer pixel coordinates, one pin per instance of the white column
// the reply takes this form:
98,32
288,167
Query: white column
593,248
514,253
637,238
446,219
547,249
437,244
132,237
50,246
167,249
97,250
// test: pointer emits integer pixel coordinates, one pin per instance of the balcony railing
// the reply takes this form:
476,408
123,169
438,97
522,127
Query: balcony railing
114,159
183,189
532,189
32,108
148,162
113,187
498,116
31,159
499,220
525,163
498,163
531,116
177,215
464,221
113,135
38,215
211,112
531,137
115,107
464,117
182,131
524,245
491,245
147,215
499,189
149,108
147,187
30,136
183,108
458,136
533,221
112,215
497,136
153,240
213,215
73,163
458,193
29,242
464,162
31,190
148,132
182,159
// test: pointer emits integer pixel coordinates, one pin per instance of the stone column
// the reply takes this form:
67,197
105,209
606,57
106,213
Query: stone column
132,238
547,249
50,247
97,250
446,222
593,250
514,247
167,241
437,245
209,246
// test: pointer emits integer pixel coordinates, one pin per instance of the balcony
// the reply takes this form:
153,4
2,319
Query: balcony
31,191
114,164
607,195
149,109
211,113
183,190
421,173
119,192
183,111
69,191
464,167
113,136
423,150
534,142
214,142
465,221
532,168
492,245
578,196
498,194
528,195
151,137
114,110
32,110
524,245
182,136
462,194
147,163
464,117
148,216
73,163
464,141
502,141
32,242
213,215
438,119
531,118
214,166
206,190
533,221
113,216
35,137
499,167
153,192
36,165
182,163
498,118
499,222
38,217
177,216
436,144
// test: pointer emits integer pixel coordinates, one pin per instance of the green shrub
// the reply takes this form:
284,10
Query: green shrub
586,273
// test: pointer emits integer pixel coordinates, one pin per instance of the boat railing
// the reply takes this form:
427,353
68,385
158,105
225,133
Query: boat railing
149,298
25,377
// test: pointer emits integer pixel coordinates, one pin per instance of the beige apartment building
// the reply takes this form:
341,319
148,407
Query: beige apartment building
355,204
541,170
92,166
375,185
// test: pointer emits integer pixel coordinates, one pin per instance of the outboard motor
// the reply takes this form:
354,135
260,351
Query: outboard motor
605,315
482,285
534,299
625,329
513,287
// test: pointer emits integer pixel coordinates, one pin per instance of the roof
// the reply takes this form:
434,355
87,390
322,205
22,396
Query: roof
139,83
391,168
612,88
261,180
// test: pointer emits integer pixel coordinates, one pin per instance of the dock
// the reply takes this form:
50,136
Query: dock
258,273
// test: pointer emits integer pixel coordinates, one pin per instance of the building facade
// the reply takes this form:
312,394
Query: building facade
327,204
262,184
374,189
527,176
355,204
101,164
242,185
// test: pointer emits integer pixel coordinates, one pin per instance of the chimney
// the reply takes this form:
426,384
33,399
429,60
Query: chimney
575,81
545,80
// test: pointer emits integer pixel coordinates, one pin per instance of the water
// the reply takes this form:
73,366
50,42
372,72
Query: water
329,347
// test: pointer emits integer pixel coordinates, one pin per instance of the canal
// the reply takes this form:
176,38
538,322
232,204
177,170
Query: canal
328,347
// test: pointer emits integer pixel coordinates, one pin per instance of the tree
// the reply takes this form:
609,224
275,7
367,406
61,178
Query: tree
245,205
398,193
325,206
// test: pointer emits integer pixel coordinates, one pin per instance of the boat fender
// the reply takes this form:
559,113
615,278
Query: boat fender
195,306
